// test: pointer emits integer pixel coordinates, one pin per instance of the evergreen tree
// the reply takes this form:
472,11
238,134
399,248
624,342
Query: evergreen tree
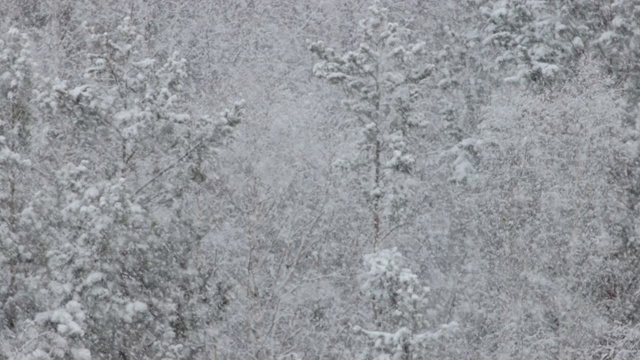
400,311
381,80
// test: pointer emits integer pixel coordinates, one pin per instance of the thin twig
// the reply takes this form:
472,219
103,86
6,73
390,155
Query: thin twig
194,148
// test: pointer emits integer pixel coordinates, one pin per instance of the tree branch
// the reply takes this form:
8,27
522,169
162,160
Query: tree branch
163,171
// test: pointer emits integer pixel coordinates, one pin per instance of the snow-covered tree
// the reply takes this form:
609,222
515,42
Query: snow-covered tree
101,262
381,81
16,121
18,178
401,312
551,188
128,231
535,43
137,106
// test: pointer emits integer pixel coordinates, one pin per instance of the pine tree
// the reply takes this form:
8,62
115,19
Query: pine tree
381,80
106,263
400,311
534,42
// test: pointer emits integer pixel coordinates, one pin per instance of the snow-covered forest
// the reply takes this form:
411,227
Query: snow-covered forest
319,179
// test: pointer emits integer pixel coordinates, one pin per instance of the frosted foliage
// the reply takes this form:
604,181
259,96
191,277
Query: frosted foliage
381,79
533,40
406,179
393,289
139,105
399,302
565,149
15,67
16,83
100,251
